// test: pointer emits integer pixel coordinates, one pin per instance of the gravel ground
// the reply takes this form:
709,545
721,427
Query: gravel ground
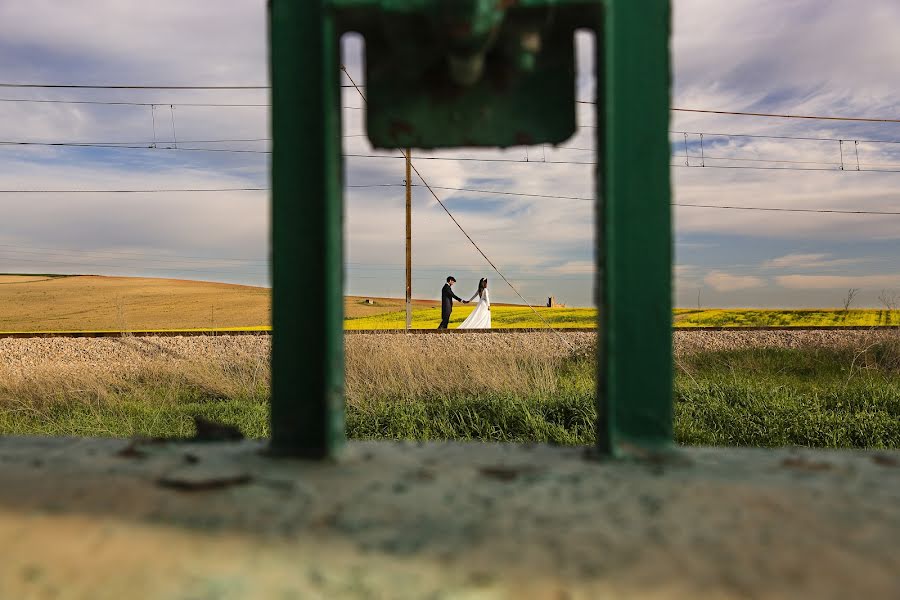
121,353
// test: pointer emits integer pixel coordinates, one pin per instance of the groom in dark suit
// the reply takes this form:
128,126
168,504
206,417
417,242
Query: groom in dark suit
447,297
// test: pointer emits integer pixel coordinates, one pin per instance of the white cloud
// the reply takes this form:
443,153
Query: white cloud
726,282
809,261
574,267
837,282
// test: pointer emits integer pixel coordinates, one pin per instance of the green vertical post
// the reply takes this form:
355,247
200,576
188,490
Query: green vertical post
307,414
634,226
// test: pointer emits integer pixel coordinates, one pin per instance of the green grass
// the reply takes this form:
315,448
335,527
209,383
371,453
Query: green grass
817,398
810,397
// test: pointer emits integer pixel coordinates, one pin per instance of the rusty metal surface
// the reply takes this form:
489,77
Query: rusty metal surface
80,519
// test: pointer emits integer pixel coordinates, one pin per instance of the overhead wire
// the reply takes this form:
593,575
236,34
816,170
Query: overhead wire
677,204
124,103
118,266
468,190
133,191
357,88
131,87
169,145
138,255
772,115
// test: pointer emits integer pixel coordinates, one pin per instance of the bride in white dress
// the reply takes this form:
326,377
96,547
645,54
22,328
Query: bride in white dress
481,316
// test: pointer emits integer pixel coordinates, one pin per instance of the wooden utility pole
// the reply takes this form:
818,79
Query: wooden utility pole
408,239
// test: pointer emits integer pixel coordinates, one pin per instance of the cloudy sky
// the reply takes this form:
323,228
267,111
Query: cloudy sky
806,57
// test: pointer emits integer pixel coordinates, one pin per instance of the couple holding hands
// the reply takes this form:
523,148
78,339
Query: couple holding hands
480,317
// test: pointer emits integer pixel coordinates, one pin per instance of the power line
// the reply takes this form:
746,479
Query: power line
123,103
133,87
139,255
772,115
146,87
108,266
794,210
266,87
142,87
480,191
587,199
133,191
151,104
474,190
753,168
152,146
141,144
786,116
357,87
784,137
472,159
60,257
148,146
575,162
836,165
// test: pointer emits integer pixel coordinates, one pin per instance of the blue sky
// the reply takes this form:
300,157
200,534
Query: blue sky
804,57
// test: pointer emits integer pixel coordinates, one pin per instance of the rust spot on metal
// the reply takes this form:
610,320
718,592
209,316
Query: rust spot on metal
804,464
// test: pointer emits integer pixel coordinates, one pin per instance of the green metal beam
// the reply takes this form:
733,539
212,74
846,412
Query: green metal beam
635,230
307,415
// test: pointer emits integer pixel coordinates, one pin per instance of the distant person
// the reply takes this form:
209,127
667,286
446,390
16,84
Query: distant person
481,316
447,298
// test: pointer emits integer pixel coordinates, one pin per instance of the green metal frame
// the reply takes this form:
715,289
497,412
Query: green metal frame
633,208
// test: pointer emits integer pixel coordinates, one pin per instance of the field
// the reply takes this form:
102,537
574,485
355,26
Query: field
390,314
838,390
520,317
750,317
96,303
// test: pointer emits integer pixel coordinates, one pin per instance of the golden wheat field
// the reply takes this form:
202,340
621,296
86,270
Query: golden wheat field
96,303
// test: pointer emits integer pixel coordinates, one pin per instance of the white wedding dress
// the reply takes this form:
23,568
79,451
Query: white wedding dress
481,316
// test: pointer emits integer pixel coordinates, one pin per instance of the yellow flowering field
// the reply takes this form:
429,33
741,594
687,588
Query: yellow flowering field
519,317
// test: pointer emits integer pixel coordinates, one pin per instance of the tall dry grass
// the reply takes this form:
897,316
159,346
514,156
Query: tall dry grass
157,380
375,367
392,367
